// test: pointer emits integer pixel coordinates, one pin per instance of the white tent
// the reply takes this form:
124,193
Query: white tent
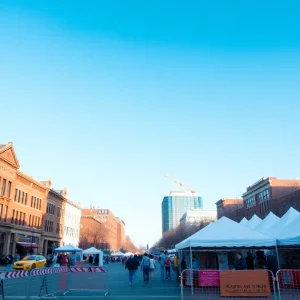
267,223
227,233
118,254
68,248
244,221
290,234
253,222
93,251
128,254
285,220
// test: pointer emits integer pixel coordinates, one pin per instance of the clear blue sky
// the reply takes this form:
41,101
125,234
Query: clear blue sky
105,97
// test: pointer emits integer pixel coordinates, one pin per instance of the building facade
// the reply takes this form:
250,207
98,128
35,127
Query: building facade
53,220
72,216
114,226
175,205
23,202
229,207
198,216
269,194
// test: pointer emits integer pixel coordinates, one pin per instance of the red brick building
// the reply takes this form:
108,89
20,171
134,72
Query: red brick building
266,195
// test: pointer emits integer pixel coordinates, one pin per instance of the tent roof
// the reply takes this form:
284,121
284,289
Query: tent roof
128,254
253,222
118,254
91,250
68,248
227,233
244,221
267,222
285,220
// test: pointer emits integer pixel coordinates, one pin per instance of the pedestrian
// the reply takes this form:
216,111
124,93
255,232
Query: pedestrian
168,267
152,266
132,265
182,269
54,260
161,260
250,261
176,267
96,260
145,266
240,262
64,260
91,259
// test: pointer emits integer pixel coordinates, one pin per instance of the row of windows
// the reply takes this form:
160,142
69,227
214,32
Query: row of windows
34,221
103,211
48,226
4,217
261,197
5,188
36,203
50,209
18,217
71,232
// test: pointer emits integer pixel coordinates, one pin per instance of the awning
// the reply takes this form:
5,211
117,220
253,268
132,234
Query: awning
28,245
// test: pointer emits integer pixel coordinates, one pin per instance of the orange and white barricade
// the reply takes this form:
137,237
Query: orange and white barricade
229,284
88,279
288,284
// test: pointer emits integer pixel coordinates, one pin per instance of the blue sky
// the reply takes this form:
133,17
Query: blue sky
105,97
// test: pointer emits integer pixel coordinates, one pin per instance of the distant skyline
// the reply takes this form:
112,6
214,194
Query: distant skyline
107,97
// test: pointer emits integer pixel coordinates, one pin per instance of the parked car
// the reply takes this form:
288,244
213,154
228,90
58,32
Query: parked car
30,262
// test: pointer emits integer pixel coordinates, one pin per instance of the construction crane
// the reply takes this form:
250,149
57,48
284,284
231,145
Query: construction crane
180,183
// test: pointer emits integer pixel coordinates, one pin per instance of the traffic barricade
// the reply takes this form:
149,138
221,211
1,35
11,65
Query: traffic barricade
88,279
14,284
47,281
229,284
288,284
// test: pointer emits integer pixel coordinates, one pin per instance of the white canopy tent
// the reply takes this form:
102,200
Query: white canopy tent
284,221
267,223
290,234
94,251
253,222
68,248
128,254
118,254
244,221
229,234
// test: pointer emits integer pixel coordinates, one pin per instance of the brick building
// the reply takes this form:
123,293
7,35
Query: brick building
93,233
229,206
115,227
267,194
23,202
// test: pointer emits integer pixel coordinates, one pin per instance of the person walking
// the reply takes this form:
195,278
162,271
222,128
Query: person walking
250,261
152,266
162,259
182,268
240,262
168,267
145,265
132,265
96,261
176,267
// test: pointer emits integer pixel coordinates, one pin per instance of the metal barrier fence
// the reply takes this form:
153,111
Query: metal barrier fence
229,284
40,283
288,283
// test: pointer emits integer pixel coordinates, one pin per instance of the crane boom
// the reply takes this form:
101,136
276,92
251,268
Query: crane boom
180,183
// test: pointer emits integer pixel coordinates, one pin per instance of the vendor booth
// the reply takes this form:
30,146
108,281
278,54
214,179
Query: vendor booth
93,251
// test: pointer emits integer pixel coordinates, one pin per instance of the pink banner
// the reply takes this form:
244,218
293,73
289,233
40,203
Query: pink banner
209,278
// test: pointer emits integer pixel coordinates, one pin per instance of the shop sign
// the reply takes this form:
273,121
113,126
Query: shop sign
245,283
209,278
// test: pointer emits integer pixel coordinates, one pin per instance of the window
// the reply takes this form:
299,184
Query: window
29,222
26,198
19,196
17,216
57,228
16,195
5,213
34,202
250,202
3,187
263,196
8,189
13,215
1,208
24,216
21,218
23,197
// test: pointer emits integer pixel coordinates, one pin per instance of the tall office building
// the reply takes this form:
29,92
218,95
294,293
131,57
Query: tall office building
175,205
